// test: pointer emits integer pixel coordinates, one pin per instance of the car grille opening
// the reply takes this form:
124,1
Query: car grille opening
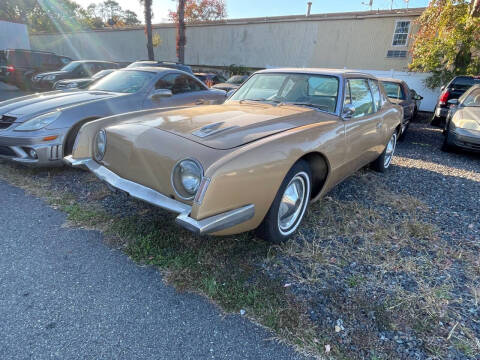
6,151
6,121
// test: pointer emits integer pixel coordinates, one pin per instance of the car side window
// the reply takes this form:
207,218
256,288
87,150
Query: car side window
195,85
377,97
361,97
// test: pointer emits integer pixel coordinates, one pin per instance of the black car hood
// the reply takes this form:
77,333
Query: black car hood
56,73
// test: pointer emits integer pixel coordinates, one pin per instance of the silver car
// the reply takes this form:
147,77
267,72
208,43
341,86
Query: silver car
462,128
40,129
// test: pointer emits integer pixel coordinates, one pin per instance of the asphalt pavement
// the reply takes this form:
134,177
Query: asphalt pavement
64,294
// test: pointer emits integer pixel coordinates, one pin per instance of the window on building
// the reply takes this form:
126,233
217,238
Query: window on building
400,36
396,54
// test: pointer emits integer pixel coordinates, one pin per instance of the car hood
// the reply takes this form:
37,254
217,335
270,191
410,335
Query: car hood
224,126
68,81
42,103
60,72
225,86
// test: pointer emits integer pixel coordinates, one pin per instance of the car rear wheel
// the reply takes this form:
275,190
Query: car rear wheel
385,159
289,206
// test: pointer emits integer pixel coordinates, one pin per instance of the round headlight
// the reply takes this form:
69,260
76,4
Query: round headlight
186,177
100,145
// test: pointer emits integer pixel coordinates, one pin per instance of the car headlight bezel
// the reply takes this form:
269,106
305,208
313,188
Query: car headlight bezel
100,145
39,122
49,78
186,178
72,85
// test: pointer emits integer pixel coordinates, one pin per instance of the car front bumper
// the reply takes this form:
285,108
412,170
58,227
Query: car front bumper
208,225
19,149
466,139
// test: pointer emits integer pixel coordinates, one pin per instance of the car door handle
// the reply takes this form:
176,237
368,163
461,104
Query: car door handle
199,102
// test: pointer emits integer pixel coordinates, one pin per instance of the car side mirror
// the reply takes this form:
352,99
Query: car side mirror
418,97
348,111
453,102
442,88
161,93
230,93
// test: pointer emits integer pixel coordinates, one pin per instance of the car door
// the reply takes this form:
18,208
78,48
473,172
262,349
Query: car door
363,128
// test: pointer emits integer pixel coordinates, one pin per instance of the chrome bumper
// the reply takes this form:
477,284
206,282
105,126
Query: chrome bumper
205,226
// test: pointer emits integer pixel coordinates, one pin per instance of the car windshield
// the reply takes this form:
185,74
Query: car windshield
472,98
393,90
236,79
71,66
129,81
318,91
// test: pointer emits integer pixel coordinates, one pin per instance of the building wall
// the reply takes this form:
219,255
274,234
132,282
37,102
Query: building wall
13,36
333,41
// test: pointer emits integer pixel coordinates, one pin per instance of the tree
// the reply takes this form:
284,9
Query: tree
130,18
110,13
448,41
181,38
201,10
148,26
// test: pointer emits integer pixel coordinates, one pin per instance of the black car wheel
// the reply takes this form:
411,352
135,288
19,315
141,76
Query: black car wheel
448,144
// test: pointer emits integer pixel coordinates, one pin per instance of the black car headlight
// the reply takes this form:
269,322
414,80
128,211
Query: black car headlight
100,145
186,178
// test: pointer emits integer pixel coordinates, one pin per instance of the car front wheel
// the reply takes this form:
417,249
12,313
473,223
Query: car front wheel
289,205
385,159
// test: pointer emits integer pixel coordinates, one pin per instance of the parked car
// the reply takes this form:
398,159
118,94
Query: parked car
210,78
286,137
232,83
74,70
399,93
81,83
462,129
17,66
453,90
167,64
40,129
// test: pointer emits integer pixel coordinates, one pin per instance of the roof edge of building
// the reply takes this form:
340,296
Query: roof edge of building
358,15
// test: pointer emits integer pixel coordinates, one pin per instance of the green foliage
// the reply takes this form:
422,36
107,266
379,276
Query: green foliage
448,41
237,70
64,15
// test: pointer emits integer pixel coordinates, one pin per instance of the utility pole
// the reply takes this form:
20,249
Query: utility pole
181,39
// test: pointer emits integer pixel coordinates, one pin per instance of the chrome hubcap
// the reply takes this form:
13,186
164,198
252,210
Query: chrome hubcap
293,203
390,150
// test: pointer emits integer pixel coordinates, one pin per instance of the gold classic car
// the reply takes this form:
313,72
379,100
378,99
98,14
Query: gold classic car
283,139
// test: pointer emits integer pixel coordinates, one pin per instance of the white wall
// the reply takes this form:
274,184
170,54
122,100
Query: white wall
414,81
13,36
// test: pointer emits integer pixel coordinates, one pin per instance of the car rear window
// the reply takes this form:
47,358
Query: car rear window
394,90
18,58
464,83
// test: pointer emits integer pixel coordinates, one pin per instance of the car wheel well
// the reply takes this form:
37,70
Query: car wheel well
319,168
72,134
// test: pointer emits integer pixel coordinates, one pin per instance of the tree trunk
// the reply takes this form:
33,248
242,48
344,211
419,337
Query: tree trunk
181,39
148,26
475,8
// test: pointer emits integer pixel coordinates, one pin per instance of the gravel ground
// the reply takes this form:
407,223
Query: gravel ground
387,263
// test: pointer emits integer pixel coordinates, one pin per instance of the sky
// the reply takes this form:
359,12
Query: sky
260,8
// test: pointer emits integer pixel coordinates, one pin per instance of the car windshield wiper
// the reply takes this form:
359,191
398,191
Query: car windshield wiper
259,100
320,107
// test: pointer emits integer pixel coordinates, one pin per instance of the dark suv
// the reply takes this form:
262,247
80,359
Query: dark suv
453,90
74,70
167,64
17,66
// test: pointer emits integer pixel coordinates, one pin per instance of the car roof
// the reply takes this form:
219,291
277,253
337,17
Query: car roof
155,69
392,80
94,61
317,71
